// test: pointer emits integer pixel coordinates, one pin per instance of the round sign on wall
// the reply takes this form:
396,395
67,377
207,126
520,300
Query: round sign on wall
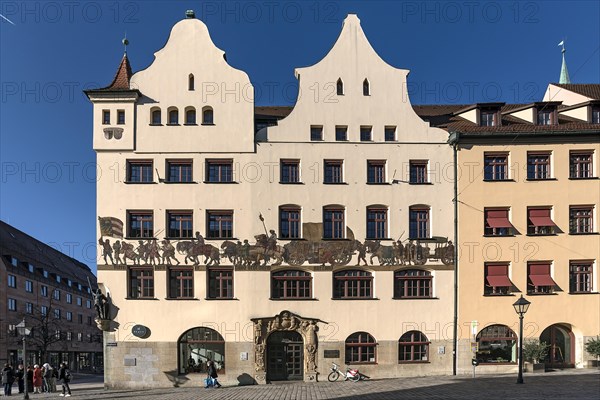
140,331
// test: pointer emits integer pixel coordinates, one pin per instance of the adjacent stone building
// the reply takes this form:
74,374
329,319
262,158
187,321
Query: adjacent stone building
272,241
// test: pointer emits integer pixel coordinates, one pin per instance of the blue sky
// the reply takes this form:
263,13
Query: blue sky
458,52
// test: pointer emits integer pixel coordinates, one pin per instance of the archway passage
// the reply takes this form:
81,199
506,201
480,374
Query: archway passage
561,353
198,345
285,356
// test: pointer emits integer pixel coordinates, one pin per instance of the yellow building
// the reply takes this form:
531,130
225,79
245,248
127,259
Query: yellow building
528,198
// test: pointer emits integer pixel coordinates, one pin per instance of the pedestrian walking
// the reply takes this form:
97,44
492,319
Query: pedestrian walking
53,378
46,374
29,379
38,379
21,378
65,375
211,379
8,378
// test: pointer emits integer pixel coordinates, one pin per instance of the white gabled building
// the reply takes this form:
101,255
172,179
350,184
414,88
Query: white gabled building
348,177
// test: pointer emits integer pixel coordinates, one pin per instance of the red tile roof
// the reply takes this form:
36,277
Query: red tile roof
591,90
122,77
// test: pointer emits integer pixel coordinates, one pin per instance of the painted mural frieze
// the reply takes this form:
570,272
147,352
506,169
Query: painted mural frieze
266,251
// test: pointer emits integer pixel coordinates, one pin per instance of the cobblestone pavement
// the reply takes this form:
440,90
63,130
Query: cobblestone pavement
568,385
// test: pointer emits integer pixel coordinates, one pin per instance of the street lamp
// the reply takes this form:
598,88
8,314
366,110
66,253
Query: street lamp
24,331
521,306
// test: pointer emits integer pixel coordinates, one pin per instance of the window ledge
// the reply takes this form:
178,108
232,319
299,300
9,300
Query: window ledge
542,234
335,183
355,298
207,124
540,179
291,183
140,298
293,299
496,363
172,124
591,178
499,295
175,182
182,298
542,294
220,183
364,362
414,362
415,298
378,183
499,236
155,124
580,293
139,183
499,180
194,124
140,238
221,299
420,183
584,233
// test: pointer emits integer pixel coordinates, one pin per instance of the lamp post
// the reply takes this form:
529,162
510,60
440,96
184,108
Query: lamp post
24,331
521,306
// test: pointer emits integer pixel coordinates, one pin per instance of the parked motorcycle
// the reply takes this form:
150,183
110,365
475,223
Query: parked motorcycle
350,375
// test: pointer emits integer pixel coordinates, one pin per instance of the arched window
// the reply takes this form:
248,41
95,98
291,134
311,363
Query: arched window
198,345
412,283
173,116
190,116
339,87
191,82
352,284
291,284
207,116
366,88
361,347
497,344
155,116
413,346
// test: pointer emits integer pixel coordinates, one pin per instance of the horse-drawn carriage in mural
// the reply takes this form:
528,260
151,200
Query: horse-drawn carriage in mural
443,250
315,250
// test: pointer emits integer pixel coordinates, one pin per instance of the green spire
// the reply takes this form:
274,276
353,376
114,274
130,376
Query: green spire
564,72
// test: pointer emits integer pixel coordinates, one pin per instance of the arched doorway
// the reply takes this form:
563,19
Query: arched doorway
285,356
561,353
198,345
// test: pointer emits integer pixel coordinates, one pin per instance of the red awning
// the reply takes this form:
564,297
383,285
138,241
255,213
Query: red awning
499,281
542,280
541,217
501,222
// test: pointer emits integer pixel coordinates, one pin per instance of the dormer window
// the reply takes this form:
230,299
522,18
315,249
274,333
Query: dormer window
544,117
339,87
595,115
366,88
488,118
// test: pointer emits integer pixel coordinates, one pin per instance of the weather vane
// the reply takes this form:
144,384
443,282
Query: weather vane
125,42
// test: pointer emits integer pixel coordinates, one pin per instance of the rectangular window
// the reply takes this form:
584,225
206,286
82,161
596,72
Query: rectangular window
539,221
544,117
69,298
376,223
120,117
316,133
390,133
291,285
418,223
69,316
44,310
220,283
12,281
334,171
181,283
418,171
69,336
487,118
595,115
334,226
497,222
495,167
496,280
376,171
140,171
179,171
12,304
80,318
79,301
79,337
352,284
341,133
219,171
105,117
44,290
56,294
289,223
88,304
290,171
365,134
140,224
539,279
29,308
141,283
580,277
413,283
581,219
89,320
580,164
538,166
180,224
219,224
56,313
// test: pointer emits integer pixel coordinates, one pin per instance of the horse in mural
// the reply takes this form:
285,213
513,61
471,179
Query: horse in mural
385,254
192,250
129,253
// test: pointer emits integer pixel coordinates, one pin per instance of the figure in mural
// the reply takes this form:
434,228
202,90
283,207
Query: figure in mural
117,250
129,253
409,251
362,252
106,250
398,252
192,249
385,254
311,355
199,239
168,252
142,252
101,305
153,254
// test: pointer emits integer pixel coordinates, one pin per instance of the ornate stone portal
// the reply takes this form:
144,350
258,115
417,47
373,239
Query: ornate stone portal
286,321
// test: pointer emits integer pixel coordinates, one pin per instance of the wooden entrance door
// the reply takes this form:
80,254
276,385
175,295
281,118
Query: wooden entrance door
285,353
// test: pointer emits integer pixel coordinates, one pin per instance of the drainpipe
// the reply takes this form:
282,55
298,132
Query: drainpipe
453,141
